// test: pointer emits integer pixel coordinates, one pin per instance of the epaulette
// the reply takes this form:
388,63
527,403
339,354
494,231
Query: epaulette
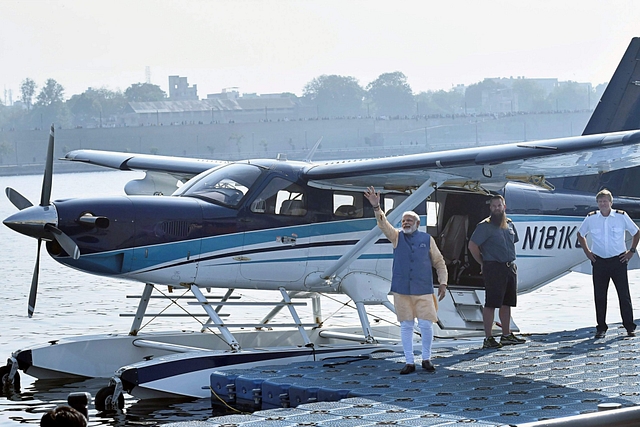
620,211
592,213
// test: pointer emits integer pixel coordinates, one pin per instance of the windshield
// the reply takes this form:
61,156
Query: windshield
226,185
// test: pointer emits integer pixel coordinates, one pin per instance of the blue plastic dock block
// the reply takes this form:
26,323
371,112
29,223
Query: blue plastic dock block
249,387
275,392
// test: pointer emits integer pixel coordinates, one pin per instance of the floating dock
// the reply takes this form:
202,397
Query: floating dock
551,376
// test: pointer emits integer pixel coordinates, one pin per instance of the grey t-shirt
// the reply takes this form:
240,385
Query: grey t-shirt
496,244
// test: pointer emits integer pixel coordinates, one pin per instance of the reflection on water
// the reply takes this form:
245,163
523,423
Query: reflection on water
42,395
72,303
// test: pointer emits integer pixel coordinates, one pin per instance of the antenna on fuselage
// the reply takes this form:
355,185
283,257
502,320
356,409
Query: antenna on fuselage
313,150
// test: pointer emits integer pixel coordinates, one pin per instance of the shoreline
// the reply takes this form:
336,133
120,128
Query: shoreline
58,167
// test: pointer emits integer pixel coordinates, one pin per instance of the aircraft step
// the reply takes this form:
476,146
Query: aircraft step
462,311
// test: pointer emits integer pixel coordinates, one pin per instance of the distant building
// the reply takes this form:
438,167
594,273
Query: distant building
179,89
224,107
227,93
546,84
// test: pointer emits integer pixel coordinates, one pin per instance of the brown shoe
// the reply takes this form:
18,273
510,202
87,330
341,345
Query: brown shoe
408,369
428,366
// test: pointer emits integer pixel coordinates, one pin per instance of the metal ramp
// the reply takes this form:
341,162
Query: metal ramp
468,305
461,311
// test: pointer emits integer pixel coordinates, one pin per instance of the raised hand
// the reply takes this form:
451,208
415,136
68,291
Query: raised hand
372,196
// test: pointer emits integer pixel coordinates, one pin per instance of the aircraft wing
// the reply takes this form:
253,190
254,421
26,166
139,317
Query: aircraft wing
182,168
495,164
523,161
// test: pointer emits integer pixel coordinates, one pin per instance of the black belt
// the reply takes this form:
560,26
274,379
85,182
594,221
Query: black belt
610,258
508,264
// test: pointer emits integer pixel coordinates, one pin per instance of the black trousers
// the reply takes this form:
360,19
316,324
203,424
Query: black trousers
604,270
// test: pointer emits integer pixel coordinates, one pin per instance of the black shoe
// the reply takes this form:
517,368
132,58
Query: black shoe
600,334
491,343
629,334
511,340
408,369
428,366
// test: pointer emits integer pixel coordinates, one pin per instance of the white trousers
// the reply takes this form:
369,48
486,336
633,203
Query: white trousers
406,334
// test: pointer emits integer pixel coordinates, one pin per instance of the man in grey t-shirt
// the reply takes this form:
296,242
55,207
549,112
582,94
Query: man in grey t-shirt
493,245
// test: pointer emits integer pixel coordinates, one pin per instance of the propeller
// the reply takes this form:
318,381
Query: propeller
65,241
36,221
33,292
18,200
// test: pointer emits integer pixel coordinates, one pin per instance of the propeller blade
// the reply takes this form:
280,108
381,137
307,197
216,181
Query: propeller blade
34,283
65,241
45,197
18,200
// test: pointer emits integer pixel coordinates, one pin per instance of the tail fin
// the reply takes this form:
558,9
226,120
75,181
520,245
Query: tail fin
619,107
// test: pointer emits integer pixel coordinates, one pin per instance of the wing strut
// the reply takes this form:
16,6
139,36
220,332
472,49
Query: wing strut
434,181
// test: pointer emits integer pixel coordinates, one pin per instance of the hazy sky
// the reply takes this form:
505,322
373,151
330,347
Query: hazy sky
279,46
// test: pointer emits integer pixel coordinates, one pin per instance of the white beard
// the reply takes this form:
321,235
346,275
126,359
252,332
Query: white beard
410,230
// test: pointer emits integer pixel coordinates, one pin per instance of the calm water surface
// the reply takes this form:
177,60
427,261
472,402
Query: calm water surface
72,303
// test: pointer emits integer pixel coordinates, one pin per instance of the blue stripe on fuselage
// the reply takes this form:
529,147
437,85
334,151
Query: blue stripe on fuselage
234,244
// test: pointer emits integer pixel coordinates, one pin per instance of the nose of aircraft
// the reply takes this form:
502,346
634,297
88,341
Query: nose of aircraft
32,221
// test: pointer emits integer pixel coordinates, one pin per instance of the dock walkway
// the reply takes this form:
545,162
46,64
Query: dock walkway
550,376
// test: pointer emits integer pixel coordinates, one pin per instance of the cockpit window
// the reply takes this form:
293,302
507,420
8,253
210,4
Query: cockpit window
226,185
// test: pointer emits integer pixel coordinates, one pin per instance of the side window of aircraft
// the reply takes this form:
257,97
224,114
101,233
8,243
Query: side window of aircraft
432,208
390,201
347,205
281,197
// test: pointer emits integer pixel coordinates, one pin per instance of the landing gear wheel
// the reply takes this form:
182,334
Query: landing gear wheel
103,400
6,384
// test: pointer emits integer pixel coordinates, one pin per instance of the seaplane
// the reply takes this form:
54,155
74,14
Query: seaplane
301,229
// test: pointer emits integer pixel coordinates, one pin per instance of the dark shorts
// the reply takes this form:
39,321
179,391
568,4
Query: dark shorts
500,283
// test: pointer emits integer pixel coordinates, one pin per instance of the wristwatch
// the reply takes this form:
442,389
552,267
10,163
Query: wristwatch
632,250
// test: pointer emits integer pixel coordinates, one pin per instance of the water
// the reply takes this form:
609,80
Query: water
72,303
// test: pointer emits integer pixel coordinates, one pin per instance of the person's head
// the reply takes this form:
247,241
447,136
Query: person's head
498,208
63,416
410,222
604,198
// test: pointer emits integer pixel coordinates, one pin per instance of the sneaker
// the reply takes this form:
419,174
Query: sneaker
511,340
408,369
631,333
491,343
600,334
428,366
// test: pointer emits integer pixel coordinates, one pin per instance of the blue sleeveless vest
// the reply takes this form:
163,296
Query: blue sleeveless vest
411,273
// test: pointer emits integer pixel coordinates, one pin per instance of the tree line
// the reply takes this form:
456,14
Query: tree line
48,106
390,95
